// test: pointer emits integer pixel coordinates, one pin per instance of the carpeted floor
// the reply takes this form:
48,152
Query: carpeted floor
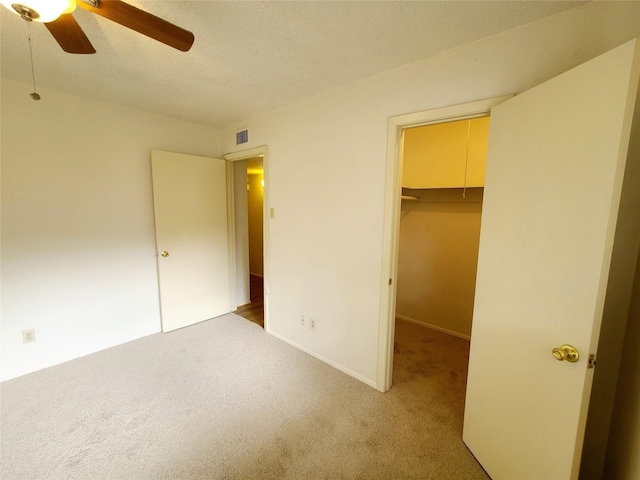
224,400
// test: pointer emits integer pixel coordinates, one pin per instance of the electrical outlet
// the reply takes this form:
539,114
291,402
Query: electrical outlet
312,324
29,336
303,321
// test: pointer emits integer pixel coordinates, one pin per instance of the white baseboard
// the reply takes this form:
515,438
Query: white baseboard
342,368
434,327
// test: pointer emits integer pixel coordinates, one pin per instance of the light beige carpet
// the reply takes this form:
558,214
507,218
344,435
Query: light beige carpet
224,400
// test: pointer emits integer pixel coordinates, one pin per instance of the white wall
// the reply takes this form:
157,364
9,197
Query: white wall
327,171
78,245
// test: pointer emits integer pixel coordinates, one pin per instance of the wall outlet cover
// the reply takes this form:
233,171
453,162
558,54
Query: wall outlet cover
29,336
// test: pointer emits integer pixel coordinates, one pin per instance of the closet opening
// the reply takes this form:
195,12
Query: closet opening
443,166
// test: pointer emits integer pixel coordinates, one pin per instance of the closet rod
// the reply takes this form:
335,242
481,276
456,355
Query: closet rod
432,201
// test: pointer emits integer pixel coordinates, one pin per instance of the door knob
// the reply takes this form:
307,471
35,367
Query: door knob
566,352
164,253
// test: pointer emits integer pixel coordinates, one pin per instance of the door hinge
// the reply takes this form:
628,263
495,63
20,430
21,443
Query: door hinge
390,281
592,360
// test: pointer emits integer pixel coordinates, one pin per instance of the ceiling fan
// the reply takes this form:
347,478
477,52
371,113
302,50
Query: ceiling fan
56,15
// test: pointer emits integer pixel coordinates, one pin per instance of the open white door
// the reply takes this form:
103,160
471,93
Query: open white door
190,205
552,221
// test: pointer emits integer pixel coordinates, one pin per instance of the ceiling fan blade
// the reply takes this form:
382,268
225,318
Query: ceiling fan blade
142,22
69,35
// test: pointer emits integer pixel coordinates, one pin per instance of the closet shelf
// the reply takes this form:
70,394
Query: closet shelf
444,195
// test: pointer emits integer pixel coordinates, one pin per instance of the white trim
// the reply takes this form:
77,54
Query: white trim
393,190
231,237
433,327
342,368
243,155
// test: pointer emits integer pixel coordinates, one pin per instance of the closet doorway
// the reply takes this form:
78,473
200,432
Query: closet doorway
443,167
397,126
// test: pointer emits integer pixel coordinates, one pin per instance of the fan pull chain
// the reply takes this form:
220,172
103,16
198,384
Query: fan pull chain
466,162
33,94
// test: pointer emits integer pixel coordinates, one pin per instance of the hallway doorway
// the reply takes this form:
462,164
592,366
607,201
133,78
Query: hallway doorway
254,174
248,201
254,310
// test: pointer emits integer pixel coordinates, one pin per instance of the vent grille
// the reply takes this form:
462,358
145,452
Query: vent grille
242,136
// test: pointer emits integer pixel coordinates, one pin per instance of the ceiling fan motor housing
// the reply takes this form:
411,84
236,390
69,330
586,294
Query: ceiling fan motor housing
43,11
25,12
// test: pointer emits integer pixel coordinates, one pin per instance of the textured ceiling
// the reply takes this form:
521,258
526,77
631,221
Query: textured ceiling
253,56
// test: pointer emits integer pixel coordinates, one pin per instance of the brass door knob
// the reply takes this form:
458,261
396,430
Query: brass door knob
566,352
164,253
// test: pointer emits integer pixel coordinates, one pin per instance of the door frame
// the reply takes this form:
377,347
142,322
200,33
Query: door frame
391,226
260,151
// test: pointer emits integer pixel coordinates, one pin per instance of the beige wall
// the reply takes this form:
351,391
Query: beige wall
255,198
437,260
623,453
78,238
440,232
327,171
241,215
446,155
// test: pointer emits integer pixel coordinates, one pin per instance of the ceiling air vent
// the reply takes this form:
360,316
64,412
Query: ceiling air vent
242,136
